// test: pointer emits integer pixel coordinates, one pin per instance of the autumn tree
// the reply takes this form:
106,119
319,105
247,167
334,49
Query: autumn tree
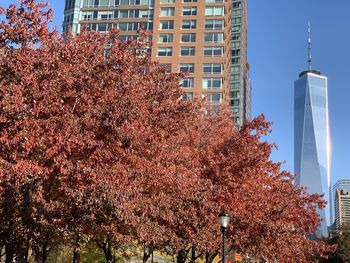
88,129
264,204
97,144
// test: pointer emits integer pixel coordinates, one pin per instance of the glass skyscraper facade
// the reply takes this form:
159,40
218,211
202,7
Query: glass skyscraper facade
311,138
207,39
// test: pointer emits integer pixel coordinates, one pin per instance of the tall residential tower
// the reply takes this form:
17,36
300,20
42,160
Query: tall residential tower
311,136
205,38
343,184
341,209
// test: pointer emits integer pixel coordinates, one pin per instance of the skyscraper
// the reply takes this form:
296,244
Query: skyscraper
206,38
342,208
340,185
311,136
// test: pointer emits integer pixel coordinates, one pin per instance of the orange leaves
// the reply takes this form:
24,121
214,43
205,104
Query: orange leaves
263,202
27,24
112,152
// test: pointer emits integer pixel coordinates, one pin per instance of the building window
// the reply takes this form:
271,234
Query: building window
236,20
167,24
236,52
127,37
188,51
235,111
237,120
236,77
212,83
129,2
189,11
235,69
100,27
103,27
165,68
237,5
105,3
187,68
215,97
214,24
212,68
213,51
236,37
165,51
214,11
236,44
235,85
213,38
235,61
236,29
236,12
214,1
124,14
188,96
86,15
234,103
167,1
165,38
69,4
234,94
188,24
167,11
105,15
187,38
133,26
187,83
190,1
86,3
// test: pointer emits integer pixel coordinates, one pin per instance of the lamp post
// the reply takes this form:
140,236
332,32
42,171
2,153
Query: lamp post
224,220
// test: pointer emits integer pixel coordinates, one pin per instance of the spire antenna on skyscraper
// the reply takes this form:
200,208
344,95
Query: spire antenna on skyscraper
309,46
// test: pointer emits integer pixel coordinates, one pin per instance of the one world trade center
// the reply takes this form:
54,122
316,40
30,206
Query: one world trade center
311,136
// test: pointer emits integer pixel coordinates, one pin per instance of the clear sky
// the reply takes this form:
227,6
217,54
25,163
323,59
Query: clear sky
277,52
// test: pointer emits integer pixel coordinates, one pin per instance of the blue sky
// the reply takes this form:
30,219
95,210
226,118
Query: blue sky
277,52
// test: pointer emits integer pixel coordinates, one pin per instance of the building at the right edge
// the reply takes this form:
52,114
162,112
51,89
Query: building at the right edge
339,205
341,209
343,184
311,136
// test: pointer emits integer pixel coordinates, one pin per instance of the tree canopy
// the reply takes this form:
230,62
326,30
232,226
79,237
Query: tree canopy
96,143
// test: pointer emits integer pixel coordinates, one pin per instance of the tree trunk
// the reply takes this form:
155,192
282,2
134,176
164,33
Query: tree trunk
77,250
107,250
22,256
209,258
2,250
44,254
9,253
181,256
147,254
193,255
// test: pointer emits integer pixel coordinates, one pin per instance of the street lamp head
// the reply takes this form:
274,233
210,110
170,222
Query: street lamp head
224,219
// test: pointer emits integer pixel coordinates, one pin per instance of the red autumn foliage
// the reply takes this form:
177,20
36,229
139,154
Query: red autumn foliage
103,147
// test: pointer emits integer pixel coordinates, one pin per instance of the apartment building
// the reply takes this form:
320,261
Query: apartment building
207,39
342,208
